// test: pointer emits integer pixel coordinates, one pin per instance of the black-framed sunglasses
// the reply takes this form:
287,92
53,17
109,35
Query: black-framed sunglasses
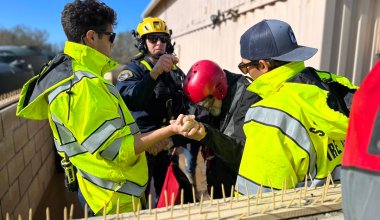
111,34
153,38
244,66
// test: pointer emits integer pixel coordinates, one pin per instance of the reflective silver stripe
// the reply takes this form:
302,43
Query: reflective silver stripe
97,138
64,133
112,150
335,175
242,184
290,126
77,77
128,187
113,90
134,128
121,115
71,149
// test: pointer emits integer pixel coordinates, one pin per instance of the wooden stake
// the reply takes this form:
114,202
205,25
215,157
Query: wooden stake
138,211
248,207
337,198
155,214
232,196
166,199
283,190
172,199
212,194
265,209
182,198
316,200
105,210
133,204
150,203
238,192
85,211
311,180
7,217
246,189
217,206
188,211
273,196
332,179
223,193
290,203
31,214
194,199
71,212
257,196
47,213
117,209
65,213
305,190
294,186
20,218
201,203
300,197
261,191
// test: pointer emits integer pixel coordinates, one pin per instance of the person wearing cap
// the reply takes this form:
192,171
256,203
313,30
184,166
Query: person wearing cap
151,86
222,101
297,131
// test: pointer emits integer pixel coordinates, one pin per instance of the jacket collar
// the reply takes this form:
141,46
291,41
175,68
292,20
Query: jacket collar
270,82
89,58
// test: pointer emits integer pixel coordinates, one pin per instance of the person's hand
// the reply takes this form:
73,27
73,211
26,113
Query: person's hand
165,144
194,130
189,127
164,64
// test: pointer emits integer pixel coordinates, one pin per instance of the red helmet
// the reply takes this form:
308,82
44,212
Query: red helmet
205,78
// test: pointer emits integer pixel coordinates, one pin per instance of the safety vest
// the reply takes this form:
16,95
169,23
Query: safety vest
292,133
90,124
362,151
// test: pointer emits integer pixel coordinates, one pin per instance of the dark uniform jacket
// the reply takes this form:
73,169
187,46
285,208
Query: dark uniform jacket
225,135
152,102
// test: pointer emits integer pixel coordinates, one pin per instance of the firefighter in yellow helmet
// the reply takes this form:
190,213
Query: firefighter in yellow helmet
92,127
151,86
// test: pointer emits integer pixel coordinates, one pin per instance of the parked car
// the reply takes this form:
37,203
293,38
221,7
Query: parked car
33,57
13,75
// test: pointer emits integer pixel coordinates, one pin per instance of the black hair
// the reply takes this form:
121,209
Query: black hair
273,64
81,16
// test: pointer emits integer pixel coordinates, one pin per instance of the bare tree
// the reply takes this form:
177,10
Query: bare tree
124,48
22,35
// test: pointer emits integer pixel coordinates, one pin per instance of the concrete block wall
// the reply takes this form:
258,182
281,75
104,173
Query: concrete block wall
27,157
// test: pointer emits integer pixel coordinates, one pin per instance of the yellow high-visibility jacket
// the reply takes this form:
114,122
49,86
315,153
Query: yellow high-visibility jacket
90,124
292,133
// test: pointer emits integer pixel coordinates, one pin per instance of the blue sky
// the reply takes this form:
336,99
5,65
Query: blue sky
46,15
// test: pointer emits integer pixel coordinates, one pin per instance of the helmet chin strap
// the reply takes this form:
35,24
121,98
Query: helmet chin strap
155,56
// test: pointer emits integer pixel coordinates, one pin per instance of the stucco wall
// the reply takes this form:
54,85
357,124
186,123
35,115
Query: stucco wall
345,32
26,163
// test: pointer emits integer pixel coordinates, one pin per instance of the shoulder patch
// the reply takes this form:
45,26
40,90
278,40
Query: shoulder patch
124,75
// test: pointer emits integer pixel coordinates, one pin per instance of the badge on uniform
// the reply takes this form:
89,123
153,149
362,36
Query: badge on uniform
124,75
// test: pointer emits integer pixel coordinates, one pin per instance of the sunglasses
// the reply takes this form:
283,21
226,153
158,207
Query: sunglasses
244,66
154,38
111,34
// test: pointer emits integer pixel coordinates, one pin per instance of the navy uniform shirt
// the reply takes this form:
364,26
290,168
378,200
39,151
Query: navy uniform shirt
152,102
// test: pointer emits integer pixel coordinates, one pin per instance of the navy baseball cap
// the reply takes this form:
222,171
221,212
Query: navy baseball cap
273,39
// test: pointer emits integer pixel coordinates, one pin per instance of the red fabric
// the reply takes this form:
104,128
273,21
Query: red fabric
171,185
364,109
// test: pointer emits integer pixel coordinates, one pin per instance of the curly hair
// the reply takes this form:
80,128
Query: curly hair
81,16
